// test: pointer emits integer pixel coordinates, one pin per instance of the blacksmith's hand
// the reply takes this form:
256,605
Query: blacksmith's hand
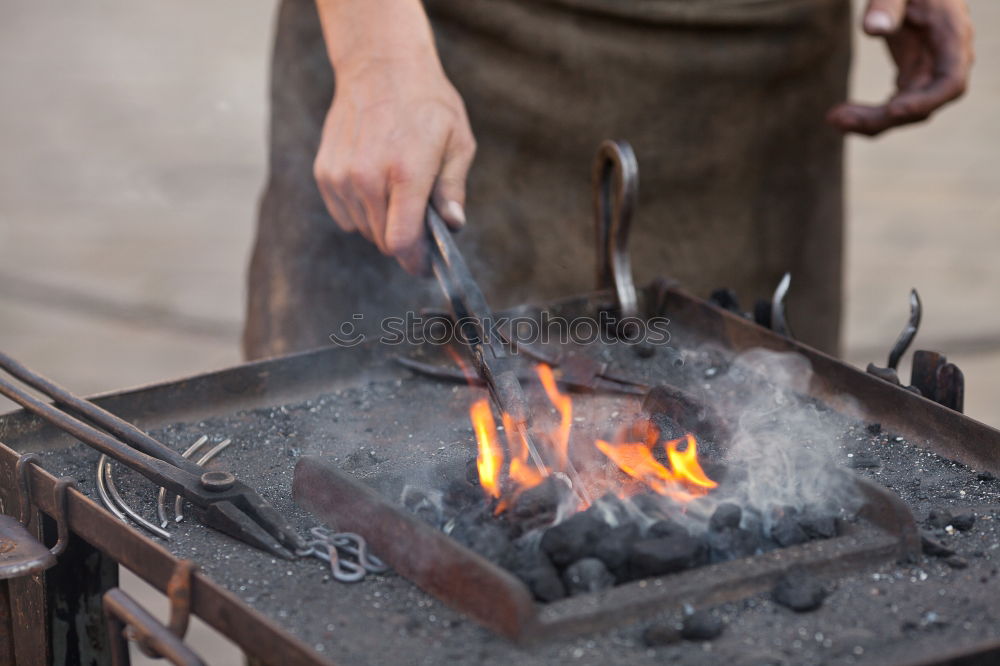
397,134
931,44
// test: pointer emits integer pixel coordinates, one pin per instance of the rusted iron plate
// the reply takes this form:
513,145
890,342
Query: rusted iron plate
496,599
436,563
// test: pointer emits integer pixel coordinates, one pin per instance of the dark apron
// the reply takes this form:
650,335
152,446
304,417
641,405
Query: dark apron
723,101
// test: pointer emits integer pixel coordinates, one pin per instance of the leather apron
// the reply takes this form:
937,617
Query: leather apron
723,101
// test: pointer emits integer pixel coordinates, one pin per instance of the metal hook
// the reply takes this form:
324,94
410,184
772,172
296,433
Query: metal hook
779,322
616,193
909,331
60,511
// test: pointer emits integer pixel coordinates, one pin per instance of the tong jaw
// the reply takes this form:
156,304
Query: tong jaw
248,518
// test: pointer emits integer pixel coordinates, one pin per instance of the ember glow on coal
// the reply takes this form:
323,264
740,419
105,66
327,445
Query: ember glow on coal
583,512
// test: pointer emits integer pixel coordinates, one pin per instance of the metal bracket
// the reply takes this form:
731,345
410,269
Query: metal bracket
22,554
616,193
128,621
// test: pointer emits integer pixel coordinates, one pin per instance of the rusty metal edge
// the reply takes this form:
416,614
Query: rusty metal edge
253,632
499,601
445,569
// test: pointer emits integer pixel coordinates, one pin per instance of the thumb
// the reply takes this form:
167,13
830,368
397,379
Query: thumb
449,189
883,17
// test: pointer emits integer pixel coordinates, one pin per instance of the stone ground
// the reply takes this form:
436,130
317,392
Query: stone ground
134,145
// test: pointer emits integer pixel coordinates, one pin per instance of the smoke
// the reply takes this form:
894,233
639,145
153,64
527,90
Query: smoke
784,447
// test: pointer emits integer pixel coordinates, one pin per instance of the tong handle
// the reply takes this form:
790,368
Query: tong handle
132,447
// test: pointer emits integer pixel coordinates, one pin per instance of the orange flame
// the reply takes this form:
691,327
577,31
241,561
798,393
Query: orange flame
635,453
683,481
636,460
564,405
490,459
685,463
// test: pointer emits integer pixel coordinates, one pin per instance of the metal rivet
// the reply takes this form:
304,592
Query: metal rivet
217,480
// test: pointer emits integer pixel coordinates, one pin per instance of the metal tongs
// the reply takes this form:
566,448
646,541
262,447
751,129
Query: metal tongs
490,351
228,505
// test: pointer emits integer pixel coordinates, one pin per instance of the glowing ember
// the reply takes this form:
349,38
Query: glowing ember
673,472
490,459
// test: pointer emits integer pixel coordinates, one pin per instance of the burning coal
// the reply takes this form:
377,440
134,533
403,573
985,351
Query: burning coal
669,468
584,511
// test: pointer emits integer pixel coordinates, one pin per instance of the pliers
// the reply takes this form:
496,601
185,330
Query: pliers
227,504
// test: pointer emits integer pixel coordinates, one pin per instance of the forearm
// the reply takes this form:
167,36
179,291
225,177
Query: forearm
361,32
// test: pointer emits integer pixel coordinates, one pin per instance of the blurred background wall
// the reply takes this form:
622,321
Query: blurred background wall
133,147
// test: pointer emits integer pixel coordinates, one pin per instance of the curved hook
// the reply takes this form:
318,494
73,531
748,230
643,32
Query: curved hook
779,320
616,192
59,511
909,332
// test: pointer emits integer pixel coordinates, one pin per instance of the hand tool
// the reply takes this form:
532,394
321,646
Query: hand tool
227,504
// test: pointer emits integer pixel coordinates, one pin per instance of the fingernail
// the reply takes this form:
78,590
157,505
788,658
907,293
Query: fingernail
454,210
878,22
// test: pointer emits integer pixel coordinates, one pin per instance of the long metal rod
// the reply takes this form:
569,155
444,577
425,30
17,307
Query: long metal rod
468,303
123,430
158,471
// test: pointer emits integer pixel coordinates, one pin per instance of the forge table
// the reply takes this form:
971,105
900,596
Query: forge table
293,613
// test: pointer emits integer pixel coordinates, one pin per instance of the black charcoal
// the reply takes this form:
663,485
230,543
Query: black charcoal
799,591
537,506
532,566
666,528
651,505
613,549
939,518
490,541
787,531
460,494
574,538
819,527
702,626
544,582
731,544
963,522
986,476
726,515
656,557
587,575
611,509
